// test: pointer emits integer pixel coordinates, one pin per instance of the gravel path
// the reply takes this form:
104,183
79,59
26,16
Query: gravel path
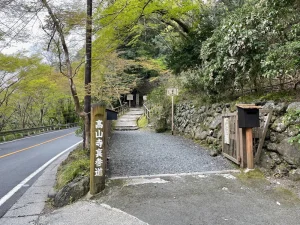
140,152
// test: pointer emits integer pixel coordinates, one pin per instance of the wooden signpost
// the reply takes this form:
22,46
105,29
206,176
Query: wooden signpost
97,152
172,92
129,98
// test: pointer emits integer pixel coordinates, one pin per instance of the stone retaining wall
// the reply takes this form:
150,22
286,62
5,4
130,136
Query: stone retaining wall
279,156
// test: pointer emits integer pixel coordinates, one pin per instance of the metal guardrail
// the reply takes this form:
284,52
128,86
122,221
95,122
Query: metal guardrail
29,131
146,112
122,109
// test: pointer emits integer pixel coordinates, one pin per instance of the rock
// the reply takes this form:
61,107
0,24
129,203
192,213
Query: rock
293,106
216,122
52,193
215,134
216,114
272,120
272,147
290,152
294,175
219,110
211,140
267,162
292,131
202,109
279,125
281,170
72,191
208,121
220,133
214,106
269,105
201,135
276,158
277,137
273,137
280,108
213,153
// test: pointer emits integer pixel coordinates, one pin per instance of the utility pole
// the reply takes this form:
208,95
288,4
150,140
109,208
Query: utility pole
88,75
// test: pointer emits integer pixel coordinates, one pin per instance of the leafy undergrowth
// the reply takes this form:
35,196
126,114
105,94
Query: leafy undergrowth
77,164
142,122
281,96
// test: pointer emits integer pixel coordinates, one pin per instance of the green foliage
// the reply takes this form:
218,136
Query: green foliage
9,137
160,108
143,122
31,94
281,96
254,45
77,164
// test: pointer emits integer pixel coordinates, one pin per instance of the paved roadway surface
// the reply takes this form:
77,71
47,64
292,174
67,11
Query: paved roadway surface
20,158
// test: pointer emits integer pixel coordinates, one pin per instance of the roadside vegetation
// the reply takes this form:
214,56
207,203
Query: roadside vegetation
77,164
142,122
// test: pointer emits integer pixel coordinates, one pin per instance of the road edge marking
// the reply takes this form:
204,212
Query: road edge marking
175,174
20,185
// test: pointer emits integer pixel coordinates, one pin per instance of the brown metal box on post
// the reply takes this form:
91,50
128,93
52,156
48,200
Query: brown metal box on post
248,117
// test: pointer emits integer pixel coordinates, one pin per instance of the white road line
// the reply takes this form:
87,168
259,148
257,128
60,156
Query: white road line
19,139
176,174
20,185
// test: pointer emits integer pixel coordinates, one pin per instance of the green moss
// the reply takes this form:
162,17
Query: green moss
142,122
286,192
252,174
77,164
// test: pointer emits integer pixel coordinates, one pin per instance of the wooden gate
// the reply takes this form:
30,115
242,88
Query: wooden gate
233,137
230,137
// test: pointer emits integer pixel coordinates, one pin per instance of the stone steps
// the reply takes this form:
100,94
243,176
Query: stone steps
129,120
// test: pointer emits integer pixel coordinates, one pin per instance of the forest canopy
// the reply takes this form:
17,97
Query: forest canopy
215,49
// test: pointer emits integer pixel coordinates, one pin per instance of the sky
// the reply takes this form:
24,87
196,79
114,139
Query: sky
35,42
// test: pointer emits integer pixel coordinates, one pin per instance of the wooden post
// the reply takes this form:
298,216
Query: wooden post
249,148
98,149
242,147
172,115
262,139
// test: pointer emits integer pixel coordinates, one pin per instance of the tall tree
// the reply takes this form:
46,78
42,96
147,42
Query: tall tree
58,35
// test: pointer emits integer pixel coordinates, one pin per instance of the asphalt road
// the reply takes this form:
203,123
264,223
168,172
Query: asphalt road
20,158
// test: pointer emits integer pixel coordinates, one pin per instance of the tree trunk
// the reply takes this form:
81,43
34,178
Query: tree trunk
88,77
68,63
